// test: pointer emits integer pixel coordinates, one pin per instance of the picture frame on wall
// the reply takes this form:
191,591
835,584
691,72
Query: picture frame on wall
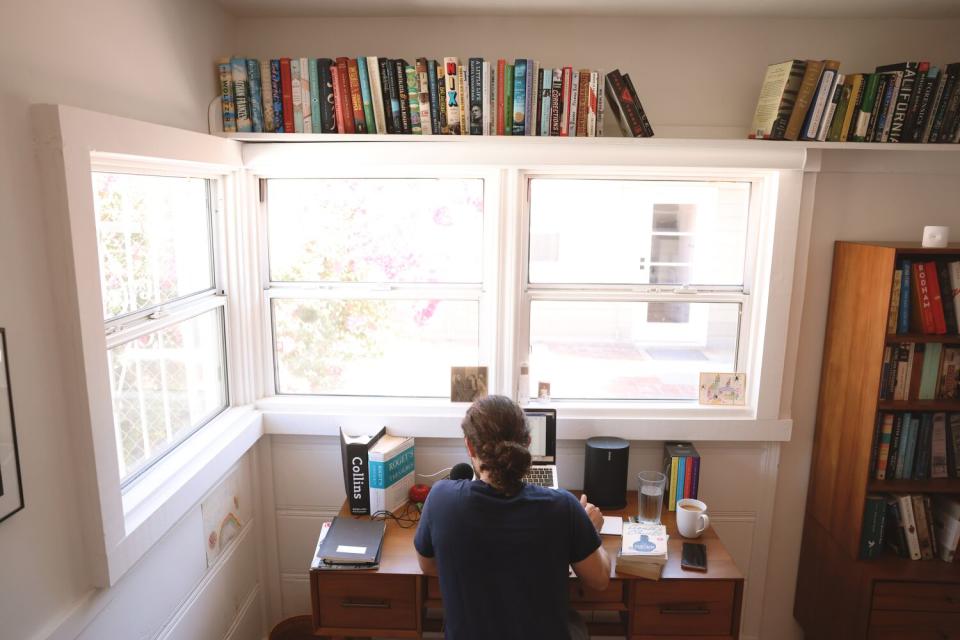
11,486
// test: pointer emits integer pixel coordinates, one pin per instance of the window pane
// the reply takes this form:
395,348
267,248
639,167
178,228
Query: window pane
373,347
366,230
630,350
619,231
165,385
154,239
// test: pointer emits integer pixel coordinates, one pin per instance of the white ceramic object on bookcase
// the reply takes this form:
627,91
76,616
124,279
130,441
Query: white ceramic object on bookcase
935,237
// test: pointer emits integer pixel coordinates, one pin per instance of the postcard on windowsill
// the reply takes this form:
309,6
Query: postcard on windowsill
612,526
723,388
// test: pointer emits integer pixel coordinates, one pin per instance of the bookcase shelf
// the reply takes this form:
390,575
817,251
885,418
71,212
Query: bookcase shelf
737,143
836,590
923,337
919,405
933,485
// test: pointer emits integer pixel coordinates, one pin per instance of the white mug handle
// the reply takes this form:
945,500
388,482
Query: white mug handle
706,523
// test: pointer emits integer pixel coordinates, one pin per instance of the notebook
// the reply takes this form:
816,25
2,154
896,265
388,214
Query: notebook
352,541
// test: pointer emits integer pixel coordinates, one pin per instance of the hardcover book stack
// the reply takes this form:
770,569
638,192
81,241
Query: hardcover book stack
813,100
681,464
378,471
918,527
643,550
423,97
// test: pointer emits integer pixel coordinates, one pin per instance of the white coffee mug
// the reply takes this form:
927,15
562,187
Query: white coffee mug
692,518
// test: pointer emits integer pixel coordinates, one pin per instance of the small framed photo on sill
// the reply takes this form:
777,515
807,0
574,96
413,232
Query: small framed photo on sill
467,383
723,388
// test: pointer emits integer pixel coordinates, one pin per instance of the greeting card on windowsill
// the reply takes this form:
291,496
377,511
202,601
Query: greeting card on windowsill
723,388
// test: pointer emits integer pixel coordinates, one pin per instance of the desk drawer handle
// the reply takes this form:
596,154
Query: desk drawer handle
683,611
379,604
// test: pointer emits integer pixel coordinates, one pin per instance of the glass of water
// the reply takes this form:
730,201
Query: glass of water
651,485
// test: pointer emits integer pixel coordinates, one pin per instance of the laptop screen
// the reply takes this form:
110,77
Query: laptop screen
543,434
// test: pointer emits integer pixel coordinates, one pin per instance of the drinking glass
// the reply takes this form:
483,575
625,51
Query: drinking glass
650,498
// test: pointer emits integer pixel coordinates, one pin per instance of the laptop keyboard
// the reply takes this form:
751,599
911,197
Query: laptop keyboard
540,476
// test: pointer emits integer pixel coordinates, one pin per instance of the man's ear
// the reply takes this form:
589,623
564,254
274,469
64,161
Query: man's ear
469,447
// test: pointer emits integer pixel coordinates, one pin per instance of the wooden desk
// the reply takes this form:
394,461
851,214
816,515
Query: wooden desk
391,601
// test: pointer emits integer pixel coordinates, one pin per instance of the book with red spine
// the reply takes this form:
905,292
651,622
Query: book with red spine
345,113
286,94
356,97
922,304
501,74
688,478
936,299
338,99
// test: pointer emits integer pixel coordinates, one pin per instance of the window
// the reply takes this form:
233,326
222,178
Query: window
375,286
164,320
634,286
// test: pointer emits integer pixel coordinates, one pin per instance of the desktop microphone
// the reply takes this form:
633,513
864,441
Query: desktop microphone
461,471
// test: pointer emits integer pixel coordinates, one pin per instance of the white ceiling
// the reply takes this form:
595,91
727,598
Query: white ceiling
688,8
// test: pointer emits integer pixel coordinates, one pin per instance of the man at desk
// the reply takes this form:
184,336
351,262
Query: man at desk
502,547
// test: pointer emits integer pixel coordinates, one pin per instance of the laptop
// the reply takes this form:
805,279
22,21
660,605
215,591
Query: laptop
543,447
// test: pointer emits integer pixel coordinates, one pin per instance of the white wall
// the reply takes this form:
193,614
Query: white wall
148,59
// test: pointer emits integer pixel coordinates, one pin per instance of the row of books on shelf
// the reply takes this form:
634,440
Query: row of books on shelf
681,464
905,102
916,446
925,297
920,371
918,527
384,95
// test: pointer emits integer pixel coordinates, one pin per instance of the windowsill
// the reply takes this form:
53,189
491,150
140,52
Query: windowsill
292,415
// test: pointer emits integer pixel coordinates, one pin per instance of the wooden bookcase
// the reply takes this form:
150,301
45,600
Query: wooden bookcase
838,595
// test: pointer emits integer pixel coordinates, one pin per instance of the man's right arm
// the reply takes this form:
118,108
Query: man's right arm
594,570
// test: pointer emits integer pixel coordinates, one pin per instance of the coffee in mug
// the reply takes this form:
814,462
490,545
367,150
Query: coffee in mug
692,518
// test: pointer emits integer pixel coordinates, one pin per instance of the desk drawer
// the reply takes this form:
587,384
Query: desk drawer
580,594
916,596
913,625
684,607
433,588
372,601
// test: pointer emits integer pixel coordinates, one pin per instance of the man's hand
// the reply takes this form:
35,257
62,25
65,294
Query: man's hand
596,517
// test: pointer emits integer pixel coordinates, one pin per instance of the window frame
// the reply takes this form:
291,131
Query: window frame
127,327
485,293
121,523
529,292
780,170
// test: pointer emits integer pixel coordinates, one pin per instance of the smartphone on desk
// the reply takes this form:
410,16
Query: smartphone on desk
693,557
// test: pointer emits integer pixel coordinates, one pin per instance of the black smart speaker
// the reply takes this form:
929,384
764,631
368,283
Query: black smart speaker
605,472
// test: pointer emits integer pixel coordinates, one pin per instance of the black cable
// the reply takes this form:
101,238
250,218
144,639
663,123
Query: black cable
405,517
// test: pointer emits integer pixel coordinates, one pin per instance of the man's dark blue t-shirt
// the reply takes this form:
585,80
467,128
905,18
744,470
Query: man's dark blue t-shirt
503,560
